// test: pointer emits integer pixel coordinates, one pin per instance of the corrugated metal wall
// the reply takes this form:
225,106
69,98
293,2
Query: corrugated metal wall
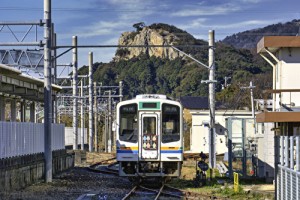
19,138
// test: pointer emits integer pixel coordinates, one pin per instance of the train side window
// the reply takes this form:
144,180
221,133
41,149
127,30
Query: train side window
170,123
128,123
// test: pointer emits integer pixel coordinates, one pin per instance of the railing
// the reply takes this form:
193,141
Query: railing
288,183
285,99
19,138
288,176
222,168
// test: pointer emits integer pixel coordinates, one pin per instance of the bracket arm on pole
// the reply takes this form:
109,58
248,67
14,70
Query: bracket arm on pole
63,53
197,61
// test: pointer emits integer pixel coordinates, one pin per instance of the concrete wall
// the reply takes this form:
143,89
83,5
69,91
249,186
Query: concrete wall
22,171
265,153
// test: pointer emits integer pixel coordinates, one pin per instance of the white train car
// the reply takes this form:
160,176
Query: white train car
149,133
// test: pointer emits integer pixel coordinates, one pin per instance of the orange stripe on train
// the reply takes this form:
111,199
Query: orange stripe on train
129,148
169,148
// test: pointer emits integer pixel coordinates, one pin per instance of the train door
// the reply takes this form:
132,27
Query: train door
149,142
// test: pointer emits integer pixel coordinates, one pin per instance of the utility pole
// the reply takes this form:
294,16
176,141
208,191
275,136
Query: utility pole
211,64
95,117
109,123
47,92
251,87
54,56
106,132
226,81
82,115
211,82
252,101
121,90
54,63
91,101
75,77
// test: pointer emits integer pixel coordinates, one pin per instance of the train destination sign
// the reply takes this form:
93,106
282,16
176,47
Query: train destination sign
129,108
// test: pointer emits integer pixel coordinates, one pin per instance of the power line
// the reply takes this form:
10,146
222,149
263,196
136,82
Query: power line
62,9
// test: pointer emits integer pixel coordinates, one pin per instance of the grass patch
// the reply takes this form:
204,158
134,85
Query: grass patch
187,183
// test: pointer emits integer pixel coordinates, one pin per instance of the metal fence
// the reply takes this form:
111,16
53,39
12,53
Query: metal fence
19,138
288,176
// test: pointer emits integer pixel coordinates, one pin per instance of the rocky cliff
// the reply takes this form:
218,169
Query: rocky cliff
147,36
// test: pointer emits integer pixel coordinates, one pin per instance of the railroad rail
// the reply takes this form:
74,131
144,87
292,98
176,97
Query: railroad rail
141,190
105,167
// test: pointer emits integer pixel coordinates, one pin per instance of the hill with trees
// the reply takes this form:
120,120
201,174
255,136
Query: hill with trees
248,39
153,71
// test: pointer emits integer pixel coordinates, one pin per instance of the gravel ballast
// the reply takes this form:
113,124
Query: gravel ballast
72,184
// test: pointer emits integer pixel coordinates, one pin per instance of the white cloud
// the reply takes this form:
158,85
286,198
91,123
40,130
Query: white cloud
251,1
111,41
241,24
133,9
199,27
197,23
129,3
100,28
207,10
203,23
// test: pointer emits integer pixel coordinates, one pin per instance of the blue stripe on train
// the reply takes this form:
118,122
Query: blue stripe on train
136,151
127,151
171,151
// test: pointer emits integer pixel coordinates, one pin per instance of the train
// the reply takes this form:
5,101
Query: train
149,137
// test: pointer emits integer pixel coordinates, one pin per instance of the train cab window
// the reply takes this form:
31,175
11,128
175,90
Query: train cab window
128,123
170,123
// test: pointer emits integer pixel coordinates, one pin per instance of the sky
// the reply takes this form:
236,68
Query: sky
103,21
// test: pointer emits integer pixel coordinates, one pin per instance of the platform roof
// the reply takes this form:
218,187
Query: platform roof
14,83
273,43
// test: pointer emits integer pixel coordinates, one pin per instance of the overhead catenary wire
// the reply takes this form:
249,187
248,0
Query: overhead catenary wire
142,9
235,102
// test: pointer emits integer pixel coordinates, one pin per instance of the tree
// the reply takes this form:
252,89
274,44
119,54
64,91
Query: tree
139,26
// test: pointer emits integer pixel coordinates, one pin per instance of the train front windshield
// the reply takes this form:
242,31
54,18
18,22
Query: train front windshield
170,123
128,123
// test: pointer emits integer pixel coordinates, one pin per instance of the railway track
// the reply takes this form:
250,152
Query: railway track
141,192
106,167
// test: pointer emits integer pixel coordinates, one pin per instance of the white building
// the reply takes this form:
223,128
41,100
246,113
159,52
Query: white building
262,136
283,54
200,129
